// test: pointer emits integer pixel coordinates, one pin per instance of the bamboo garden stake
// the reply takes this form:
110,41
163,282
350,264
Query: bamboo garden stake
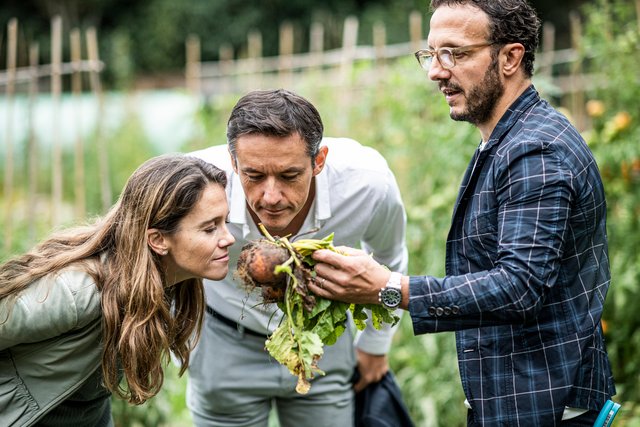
12,43
76,88
56,97
32,144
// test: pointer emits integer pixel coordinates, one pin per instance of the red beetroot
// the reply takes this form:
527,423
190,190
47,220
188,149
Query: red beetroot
257,263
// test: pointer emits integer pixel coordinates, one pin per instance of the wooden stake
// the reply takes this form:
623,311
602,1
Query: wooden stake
32,144
415,30
193,72
285,75
379,42
56,91
316,43
254,43
96,88
577,93
349,43
548,44
12,49
76,88
225,54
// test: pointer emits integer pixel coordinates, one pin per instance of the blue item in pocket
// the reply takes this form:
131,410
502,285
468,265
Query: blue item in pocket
607,414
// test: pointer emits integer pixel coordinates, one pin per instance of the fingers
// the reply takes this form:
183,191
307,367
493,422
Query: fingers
327,256
366,379
346,250
335,266
322,287
325,271
348,277
319,281
360,385
336,257
372,368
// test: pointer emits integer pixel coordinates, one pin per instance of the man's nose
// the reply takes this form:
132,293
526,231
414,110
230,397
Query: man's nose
272,193
437,71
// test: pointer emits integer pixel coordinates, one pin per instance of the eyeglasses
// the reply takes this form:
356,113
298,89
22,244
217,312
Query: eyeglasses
446,55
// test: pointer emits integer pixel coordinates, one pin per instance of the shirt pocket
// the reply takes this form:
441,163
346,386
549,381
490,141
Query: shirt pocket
481,236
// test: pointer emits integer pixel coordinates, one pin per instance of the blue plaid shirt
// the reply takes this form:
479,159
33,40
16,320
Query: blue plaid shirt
527,273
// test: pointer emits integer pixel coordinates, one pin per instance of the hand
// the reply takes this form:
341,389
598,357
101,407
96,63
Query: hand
354,277
371,368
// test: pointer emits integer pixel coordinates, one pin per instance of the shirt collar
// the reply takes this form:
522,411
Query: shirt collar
323,201
529,97
237,201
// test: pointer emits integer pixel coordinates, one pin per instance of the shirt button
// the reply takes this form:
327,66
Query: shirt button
439,311
447,311
455,309
432,311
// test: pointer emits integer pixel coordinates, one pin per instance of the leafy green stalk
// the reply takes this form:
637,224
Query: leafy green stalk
298,341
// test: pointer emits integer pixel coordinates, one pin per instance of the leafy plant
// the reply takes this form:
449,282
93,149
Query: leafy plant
284,270
612,34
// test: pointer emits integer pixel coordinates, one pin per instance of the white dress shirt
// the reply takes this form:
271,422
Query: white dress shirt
357,198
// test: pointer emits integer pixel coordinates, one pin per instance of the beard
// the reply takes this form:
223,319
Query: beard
482,98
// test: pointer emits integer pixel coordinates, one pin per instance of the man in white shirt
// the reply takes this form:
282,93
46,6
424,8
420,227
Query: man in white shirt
284,174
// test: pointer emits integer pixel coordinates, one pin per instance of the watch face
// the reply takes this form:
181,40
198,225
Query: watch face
391,297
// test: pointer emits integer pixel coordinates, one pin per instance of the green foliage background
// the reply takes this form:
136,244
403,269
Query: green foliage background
148,36
612,35
405,118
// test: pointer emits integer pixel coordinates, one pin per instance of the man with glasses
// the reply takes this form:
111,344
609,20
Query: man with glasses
527,270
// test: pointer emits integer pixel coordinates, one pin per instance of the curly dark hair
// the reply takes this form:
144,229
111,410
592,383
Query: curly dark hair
511,21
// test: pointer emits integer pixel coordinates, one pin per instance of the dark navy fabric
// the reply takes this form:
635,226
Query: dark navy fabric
380,405
527,273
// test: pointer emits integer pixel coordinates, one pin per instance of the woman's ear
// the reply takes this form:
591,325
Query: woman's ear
157,242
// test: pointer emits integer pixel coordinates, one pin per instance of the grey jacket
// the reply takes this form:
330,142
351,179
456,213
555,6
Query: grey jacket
50,348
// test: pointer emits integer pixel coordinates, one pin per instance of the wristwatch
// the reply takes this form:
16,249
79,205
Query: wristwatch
391,295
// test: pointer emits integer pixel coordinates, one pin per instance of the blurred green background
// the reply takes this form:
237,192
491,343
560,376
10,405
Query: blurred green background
141,39
405,118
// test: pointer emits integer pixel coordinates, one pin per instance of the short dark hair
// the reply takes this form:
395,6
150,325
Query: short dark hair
510,21
277,113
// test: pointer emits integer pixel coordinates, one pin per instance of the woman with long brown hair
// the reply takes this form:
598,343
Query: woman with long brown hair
111,300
